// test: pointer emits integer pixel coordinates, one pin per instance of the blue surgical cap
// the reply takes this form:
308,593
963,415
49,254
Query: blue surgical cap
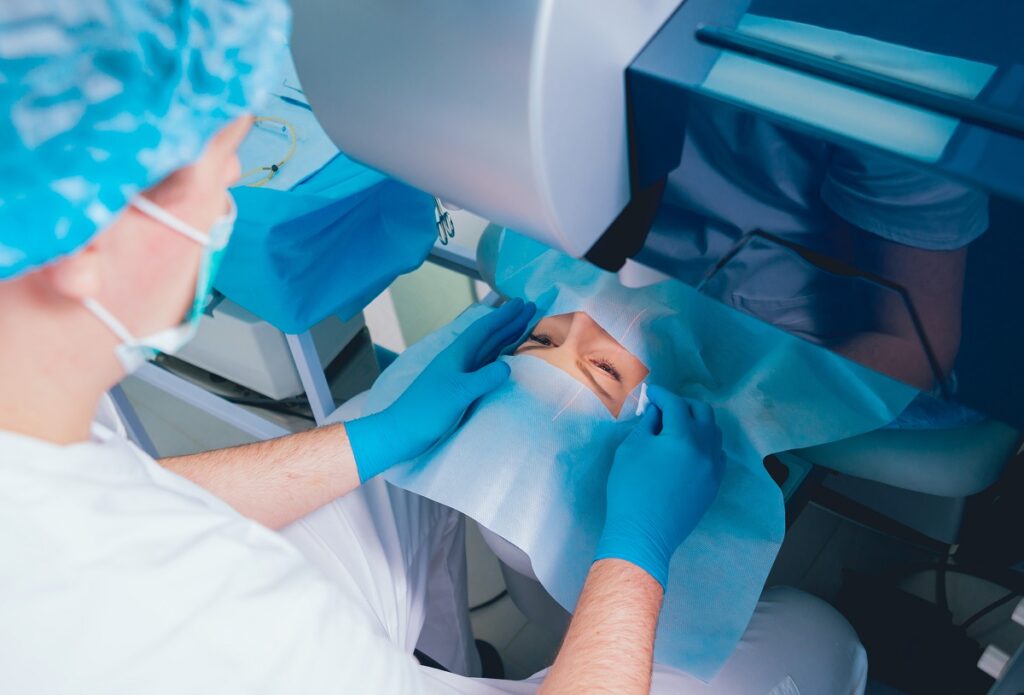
105,98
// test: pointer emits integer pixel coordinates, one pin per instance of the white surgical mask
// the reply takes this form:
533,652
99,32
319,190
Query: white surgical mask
132,352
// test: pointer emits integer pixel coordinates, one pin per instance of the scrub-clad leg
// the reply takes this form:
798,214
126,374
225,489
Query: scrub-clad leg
796,644
406,556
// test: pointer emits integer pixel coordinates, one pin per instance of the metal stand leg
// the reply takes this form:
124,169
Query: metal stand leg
311,373
455,258
307,362
126,411
492,299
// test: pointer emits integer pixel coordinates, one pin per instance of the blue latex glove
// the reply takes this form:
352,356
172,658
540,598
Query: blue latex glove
664,477
436,401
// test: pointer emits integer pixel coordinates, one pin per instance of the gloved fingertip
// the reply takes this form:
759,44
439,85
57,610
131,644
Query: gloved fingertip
506,312
651,418
656,394
649,422
530,311
720,463
524,315
489,377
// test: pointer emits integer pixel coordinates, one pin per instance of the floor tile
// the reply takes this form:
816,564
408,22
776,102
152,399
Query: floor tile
858,548
967,594
804,542
533,648
498,624
514,671
485,580
876,688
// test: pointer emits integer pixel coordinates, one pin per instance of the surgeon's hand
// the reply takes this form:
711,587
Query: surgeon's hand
435,402
665,476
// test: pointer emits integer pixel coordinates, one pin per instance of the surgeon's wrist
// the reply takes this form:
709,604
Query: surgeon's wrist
637,545
370,438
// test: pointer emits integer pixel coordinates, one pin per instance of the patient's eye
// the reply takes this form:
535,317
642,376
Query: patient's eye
608,368
542,339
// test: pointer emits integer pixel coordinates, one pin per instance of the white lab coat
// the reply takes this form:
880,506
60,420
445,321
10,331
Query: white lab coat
121,577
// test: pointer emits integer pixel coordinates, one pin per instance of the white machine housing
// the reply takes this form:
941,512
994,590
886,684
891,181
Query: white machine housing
236,344
524,124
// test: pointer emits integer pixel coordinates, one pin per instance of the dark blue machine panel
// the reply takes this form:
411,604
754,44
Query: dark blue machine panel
839,286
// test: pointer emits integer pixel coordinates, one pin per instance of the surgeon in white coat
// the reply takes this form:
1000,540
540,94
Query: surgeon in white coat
122,575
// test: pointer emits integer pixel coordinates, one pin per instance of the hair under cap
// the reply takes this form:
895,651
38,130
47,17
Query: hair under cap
104,99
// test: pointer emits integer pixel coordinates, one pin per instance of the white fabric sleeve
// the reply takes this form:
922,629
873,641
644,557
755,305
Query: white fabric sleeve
903,204
259,622
284,629
136,590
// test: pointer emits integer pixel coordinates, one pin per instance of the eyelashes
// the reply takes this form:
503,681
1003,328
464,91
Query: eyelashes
602,364
608,368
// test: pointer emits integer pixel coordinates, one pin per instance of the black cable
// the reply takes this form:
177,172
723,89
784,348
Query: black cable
489,602
1005,578
988,609
257,401
273,406
1000,576
941,596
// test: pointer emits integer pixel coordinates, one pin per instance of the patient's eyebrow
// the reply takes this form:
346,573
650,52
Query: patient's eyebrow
583,367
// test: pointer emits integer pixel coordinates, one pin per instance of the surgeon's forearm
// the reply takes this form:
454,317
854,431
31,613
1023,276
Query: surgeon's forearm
610,644
277,481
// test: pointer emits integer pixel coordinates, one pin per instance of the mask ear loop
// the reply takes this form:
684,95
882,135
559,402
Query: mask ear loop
154,211
110,321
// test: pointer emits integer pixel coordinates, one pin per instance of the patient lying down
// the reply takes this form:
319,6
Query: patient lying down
530,460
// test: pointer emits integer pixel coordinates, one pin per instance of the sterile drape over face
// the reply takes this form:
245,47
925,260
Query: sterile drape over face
530,461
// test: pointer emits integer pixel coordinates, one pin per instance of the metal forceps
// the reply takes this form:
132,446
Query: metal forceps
445,225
